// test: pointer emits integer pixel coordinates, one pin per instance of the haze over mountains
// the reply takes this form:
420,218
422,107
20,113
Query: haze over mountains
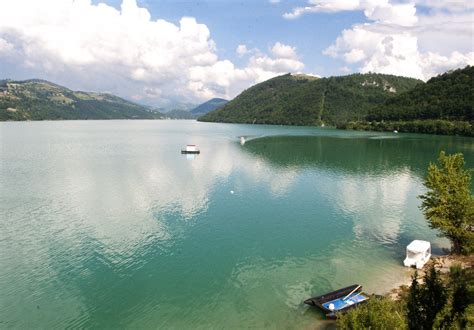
209,106
198,111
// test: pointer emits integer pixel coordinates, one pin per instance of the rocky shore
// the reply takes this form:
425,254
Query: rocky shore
442,263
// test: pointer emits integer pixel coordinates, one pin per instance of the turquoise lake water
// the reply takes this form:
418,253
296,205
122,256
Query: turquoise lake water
104,224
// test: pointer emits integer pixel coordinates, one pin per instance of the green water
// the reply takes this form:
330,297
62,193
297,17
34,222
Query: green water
104,224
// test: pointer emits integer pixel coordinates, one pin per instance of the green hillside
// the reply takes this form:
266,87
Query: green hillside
42,100
449,96
444,105
307,100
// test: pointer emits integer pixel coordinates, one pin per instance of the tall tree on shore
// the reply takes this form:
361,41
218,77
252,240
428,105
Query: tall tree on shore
425,300
448,204
415,312
434,297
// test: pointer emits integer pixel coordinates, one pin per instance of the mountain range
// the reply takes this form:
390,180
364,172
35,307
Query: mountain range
443,105
42,100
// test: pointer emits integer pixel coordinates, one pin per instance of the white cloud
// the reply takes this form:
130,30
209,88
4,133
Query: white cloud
97,47
224,75
377,10
449,5
241,50
284,51
397,40
274,1
5,46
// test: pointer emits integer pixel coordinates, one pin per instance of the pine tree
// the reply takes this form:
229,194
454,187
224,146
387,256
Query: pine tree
415,312
460,299
433,298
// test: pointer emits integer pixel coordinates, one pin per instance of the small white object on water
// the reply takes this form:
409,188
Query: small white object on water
242,140
232,192
395,131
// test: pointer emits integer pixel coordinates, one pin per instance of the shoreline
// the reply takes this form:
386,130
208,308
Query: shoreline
441,263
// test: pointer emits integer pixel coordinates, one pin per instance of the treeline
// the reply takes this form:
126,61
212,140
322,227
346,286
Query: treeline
428,126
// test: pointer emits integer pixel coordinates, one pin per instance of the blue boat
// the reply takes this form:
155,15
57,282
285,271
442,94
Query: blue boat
339,301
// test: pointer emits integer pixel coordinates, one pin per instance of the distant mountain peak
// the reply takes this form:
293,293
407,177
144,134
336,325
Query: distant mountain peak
209,106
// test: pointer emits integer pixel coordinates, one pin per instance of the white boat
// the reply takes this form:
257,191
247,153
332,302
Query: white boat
190,149
242,140
418,254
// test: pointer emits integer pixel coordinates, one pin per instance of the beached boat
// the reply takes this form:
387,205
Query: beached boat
190,149
418,254
339,301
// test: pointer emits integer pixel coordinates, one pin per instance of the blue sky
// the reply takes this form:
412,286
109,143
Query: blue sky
167,52
259,24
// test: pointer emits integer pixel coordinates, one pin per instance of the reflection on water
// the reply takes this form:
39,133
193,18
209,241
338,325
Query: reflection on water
107,224
362,154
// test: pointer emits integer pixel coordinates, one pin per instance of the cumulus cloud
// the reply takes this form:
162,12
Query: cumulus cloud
241,50
97,47
398,40
204,81
284,51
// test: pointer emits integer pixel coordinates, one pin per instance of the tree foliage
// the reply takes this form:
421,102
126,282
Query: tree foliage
426,126
449,96
414,306
453,315
378,313
425,300
448,204
433,297
436,302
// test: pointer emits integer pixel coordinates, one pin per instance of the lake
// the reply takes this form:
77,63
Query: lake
105,224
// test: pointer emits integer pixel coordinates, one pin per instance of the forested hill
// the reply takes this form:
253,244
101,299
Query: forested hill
307,100
449,96
43,100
